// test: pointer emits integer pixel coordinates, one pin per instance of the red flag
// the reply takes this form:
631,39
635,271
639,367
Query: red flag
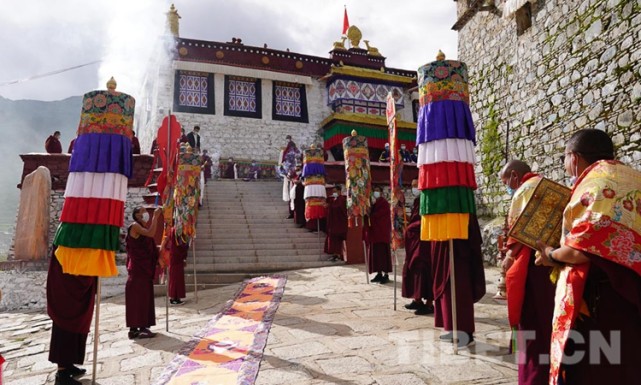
345,22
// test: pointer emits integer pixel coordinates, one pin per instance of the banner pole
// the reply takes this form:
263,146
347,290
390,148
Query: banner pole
96,334
193,242
453,293
395,280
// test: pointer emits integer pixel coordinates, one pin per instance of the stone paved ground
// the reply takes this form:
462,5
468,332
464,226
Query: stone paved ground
331,328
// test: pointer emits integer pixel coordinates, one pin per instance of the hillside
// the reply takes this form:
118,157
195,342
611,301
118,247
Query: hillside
24,126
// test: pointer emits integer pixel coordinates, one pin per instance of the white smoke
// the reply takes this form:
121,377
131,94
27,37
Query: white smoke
133,37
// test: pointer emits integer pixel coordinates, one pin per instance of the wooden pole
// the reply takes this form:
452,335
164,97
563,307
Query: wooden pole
395,280
193,243
96,334
453,294
319,241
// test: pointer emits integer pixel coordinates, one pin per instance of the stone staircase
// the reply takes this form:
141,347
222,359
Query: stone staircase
242,231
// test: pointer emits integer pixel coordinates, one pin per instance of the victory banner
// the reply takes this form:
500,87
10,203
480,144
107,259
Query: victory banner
397,211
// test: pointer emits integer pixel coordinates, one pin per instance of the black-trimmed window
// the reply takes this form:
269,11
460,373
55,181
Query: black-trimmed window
243,97
194,92
289,102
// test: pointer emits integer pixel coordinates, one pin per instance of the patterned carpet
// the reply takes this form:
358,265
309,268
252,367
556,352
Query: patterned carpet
229,349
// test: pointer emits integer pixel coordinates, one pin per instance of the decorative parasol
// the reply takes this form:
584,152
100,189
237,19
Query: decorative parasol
358,183
101,164
397,212
445,137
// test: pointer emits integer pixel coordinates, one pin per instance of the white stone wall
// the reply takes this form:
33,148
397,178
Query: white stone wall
578,66
225,136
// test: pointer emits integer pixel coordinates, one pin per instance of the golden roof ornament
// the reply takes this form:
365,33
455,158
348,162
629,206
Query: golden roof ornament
313,146
354,35
354,133
440,55
172,20
111,84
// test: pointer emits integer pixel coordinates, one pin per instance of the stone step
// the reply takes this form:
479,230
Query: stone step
262,267
259,253
305,240
207,246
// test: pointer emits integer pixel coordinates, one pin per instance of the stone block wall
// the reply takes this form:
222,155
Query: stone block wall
578,66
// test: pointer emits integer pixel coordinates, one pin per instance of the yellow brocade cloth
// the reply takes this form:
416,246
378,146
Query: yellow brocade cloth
89,262
603,218
443,227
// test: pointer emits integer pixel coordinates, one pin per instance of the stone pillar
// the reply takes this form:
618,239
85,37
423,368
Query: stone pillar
32,227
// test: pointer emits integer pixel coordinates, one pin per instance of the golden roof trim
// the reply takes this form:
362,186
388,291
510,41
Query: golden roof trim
366,119
369,73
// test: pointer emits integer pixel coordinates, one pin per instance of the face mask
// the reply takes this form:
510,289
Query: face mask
508,189
403,148
145,216
415,151
335,195
574,177
415,191
377,194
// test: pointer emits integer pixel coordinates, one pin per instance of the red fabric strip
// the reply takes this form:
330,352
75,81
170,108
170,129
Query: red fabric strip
446,174
93,211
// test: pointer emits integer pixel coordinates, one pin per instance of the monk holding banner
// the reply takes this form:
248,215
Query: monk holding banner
530,293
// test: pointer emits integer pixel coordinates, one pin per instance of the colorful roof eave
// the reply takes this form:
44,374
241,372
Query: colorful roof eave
365,119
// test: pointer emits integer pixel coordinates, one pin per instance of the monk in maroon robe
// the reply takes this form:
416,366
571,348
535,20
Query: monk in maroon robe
206,163
598,294
70,303
52,144
299,204
71,144
142,257
378,235
417,275
179,253
470,283
336,224
135,144
530,292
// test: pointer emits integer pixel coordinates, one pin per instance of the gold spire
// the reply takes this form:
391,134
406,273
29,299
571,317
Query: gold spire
354,133
111,84
440,55
172,20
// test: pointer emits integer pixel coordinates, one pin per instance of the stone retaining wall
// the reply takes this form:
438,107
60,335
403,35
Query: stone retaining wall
578,66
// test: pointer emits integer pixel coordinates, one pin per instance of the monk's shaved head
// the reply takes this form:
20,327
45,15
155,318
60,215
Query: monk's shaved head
518,166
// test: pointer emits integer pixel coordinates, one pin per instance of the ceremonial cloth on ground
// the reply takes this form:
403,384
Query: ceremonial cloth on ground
229,349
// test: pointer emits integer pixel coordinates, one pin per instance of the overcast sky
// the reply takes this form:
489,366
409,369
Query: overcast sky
38,37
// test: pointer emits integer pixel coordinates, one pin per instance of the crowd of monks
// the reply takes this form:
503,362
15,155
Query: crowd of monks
575,308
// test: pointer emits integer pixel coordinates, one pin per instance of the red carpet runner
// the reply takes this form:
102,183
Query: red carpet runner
229,349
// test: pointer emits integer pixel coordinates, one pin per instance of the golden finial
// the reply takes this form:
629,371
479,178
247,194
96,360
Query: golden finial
354,133
440,55
354,35
313,146
172,20
111,84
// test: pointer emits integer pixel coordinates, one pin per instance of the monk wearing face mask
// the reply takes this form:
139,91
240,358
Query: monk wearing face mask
336,224
530,293
378,230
